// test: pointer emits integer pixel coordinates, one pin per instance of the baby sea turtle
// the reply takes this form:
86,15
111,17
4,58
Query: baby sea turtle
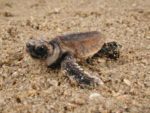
65,49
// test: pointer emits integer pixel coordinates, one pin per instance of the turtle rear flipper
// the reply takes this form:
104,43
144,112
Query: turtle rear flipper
110,50
74,72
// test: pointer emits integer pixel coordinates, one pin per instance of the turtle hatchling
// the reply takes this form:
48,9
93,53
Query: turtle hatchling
66,49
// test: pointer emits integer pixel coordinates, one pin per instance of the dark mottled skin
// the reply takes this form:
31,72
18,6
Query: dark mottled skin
110,51
73,70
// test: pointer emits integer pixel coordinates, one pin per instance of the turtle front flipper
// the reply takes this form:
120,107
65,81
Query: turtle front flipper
75,73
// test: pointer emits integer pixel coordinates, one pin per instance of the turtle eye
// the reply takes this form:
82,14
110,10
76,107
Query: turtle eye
41,50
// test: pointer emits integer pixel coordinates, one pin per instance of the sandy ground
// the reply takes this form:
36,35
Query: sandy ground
27,86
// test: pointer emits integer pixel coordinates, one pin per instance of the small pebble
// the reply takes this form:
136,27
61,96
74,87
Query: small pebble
1,99
145,61
127,82
70,106
15,73
80,101
101,60
57,10
94,96
54,82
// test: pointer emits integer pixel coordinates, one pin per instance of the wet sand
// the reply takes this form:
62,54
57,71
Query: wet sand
26,85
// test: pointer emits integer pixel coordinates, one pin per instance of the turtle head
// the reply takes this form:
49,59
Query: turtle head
39,49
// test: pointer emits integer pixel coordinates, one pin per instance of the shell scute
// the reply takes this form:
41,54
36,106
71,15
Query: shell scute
82,44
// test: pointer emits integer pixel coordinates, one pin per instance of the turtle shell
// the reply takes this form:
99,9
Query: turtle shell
84,44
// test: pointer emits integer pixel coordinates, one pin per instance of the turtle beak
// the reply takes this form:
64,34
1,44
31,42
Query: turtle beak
29,47
31,51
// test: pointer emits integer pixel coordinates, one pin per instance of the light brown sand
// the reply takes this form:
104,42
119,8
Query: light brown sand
28,86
